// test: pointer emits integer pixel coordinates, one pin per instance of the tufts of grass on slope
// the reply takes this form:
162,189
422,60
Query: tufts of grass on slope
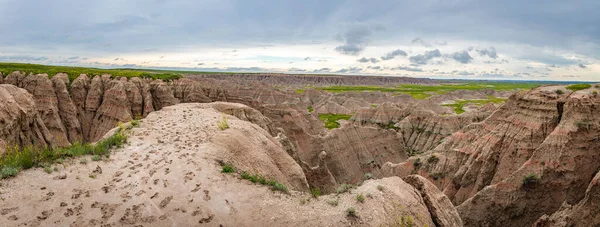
331,120
16,158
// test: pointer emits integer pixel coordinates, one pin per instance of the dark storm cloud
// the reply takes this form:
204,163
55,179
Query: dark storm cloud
355,40
462,57
422,59
393,54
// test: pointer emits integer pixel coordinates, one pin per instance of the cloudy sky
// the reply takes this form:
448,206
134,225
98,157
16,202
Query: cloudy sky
509,39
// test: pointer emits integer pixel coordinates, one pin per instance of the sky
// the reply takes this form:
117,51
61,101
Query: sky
457,39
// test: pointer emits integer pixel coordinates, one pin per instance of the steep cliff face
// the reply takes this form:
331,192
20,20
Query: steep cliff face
90,107
20,122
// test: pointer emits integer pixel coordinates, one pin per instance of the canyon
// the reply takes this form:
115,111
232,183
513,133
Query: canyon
531,161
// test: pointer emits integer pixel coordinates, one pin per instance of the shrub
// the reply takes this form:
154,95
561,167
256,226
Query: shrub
83,161
417,163
380,187
48,168
315,192
256,178
276,186
368,176
560,92
333,202
136,122
577,87
8,171
310,109
344,188
227,168
584,124
223,124
96,158
530,180
360,197
433,159
351,212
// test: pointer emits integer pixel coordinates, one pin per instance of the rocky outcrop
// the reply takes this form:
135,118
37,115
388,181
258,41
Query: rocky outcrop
47,105
441,209
115,109
584,213
67,109
20,122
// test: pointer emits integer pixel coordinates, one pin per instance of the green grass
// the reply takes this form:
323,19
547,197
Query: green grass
310,109
344,188
577,87
458,105
315,192
530,180
223,123
74,72
227,168
331,120
257,178
360,197
351,212
16,158
424,91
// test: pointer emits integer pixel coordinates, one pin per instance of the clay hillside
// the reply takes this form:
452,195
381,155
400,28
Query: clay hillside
295,150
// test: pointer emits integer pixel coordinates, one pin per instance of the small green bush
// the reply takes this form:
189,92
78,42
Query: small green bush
577,87
96,158
351,212
560,92
83,161
48,168
310,109
223,124
333,202
344,188
433,159
530,180
584,124
227,168
360,197
380,187
315,192
8,171
368,176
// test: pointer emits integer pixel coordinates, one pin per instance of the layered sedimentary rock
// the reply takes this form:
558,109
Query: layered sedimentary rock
47,105
534,154
67,109
20,122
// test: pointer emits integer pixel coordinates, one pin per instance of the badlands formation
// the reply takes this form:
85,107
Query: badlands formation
397,161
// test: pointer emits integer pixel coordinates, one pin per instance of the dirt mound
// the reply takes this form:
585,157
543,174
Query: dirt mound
169,174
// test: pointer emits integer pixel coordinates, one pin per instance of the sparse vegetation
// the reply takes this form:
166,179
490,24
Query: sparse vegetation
223,124
48,168
315,192
458,105
433,159
559,92
380,187
360,197
584,124
8,171
351,212
16,158
257,178
368,176
74,72
530,180
333,202
96,158
344,188
227,168
577,87
83,161
310,109
331,120
407,221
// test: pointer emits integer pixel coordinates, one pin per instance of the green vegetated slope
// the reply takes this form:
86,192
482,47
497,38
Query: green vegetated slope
458,105
74,72
331,120
577,87
424,91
